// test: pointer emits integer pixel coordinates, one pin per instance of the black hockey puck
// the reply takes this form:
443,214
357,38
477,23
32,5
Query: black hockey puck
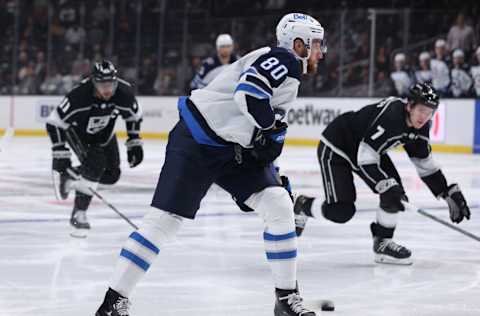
327,306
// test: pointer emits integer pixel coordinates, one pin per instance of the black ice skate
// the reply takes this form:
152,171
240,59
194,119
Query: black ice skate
113,305
387,251
289,303
302,209
80,223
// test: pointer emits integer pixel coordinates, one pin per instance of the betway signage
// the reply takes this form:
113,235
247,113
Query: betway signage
309,116
453,123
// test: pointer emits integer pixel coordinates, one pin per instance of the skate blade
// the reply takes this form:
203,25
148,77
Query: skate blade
384,259
79,233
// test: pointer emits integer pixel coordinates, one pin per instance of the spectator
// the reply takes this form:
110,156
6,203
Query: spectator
462,83
475,72
26,79
383,85
147,75
461,36
40,70
100,14
424,73
67,13
401,77
164,82
440,69
75,35
52,83
382,63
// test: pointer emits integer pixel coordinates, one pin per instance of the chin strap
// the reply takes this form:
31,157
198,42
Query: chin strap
304,65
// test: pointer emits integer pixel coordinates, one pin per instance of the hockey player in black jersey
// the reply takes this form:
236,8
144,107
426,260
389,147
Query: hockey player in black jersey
358,142
84,121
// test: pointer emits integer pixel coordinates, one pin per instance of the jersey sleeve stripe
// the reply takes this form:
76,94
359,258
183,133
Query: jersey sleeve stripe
253,90
259,83
250,70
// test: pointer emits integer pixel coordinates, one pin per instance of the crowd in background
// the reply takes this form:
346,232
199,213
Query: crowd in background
159,50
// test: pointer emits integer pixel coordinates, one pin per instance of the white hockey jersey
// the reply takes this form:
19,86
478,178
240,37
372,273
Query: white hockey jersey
423,76
402,81
243,97
461,81
211,67
440,75
475,72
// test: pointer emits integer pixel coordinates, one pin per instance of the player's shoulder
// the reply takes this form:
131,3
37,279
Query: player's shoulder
125,87
389,108
125,94
211,62
393,105
282,56
81,90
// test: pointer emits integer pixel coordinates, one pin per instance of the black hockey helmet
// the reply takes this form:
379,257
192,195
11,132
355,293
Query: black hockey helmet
425,94
104,71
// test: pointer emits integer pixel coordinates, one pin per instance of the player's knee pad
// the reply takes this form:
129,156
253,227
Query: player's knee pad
340,212
94,165
160,226
275,207
110,176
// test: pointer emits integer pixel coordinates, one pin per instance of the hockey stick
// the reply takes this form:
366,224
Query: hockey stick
94,192
441,221
76,144
77,177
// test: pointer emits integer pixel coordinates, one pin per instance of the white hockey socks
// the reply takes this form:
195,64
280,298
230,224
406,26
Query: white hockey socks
385,219
141,249
276,209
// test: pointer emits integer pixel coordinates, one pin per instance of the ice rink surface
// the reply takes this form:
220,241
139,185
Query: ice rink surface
217,265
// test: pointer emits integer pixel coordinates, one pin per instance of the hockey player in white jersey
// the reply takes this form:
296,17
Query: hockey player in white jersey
227,134
212,66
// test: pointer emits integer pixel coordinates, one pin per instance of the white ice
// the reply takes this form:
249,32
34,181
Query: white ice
217,264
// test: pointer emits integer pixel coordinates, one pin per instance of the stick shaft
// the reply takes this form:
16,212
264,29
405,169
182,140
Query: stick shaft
113,208
441,221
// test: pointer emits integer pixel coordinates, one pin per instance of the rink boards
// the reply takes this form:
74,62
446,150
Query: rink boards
456,125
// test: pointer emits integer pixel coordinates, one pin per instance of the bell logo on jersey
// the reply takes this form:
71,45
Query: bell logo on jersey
97,123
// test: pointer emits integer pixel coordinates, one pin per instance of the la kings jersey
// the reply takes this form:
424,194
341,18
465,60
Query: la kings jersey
211,67
92,118
242,98
361,138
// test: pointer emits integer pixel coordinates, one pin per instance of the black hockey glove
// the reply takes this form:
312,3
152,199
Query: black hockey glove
134,151
391,200
61,158
268,144
456,203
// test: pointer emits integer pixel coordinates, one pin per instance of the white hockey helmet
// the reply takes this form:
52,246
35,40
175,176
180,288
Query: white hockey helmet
224,40
302,26
424,56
